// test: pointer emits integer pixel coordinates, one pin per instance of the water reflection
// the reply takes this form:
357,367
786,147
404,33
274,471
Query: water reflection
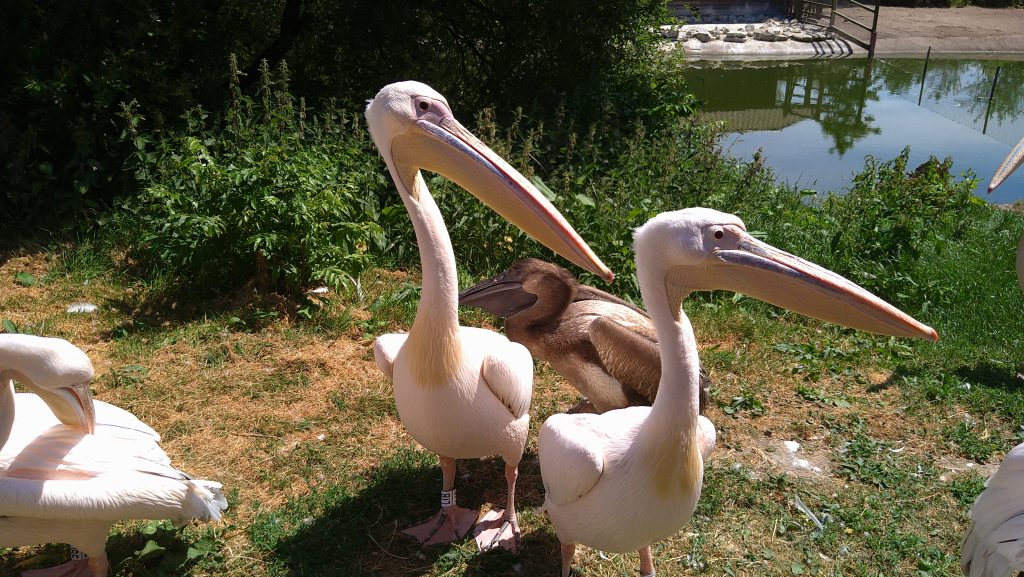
860,107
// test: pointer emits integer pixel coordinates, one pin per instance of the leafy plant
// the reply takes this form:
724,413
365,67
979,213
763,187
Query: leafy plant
869,460
25,279
270,193
970,443
128,376
821,397
890,218
744,402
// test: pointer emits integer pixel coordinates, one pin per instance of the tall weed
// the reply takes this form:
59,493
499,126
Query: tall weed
270,192
890,219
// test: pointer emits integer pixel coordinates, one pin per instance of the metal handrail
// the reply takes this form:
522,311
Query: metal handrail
834,11
852,21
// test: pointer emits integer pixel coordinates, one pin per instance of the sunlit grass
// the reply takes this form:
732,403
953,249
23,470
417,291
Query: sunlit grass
301,428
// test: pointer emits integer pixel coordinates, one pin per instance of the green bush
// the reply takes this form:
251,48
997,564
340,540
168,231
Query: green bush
890,219
66,69
269,192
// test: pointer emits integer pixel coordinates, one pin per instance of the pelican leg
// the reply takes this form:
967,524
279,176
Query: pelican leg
567,552
452,522
646,562
501,528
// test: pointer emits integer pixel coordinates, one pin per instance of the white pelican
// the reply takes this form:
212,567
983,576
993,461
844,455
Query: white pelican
603,346
624,479
994,544
1009,164
70,468
461,392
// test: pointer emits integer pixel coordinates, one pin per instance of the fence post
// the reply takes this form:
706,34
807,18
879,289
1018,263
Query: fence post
923,74
991,93
874,29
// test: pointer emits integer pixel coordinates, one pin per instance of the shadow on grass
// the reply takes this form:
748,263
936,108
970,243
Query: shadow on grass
338,530
987,387
1003,376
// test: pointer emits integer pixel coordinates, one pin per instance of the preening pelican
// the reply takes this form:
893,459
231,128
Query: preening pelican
71,467
1009,164
602,345
624,479
994,544
461,392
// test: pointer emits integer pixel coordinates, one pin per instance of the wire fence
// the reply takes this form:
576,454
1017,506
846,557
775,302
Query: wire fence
984,95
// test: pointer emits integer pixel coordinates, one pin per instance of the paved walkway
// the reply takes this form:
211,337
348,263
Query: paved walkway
950,30
901,31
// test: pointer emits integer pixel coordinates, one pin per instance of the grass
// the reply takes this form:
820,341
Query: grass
299,425
281,401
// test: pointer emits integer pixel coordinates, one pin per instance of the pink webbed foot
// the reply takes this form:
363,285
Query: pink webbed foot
448,524
497,530
78,568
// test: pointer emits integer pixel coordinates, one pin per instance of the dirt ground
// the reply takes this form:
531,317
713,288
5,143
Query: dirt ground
946,30
901,32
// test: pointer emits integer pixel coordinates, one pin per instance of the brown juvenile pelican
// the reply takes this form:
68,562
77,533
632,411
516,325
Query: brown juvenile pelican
461,392
621,480
601,344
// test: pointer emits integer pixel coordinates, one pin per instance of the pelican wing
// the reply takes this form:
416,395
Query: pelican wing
385,349
49,470
40,444
508,373
628,349
117,422
994,544
586,292
123,495
571,456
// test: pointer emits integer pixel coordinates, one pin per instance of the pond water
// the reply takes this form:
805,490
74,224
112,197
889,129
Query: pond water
816,120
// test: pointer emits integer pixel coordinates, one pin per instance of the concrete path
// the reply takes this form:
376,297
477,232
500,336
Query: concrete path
949,30
901,31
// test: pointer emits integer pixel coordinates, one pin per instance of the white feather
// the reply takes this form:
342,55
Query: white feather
994,543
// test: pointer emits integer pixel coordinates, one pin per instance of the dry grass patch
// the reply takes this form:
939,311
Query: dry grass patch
299,425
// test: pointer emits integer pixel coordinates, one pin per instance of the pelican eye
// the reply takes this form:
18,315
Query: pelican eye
424,105
719,234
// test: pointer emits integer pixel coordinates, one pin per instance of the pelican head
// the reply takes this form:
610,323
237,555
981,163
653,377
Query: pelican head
56,370
414,129
703,249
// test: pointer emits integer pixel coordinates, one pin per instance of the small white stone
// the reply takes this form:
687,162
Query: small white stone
82,308
793,446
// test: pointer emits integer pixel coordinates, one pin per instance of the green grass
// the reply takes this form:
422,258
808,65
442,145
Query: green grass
281,401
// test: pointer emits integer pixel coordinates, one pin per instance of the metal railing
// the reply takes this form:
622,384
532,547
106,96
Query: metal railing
850,12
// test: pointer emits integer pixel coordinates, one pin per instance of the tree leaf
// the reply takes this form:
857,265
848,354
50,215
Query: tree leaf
543,188
151,548
585,200
25,279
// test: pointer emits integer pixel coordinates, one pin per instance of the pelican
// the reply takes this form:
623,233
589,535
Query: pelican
602,345
71,467
994,544
461,392
1009,164
624,479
